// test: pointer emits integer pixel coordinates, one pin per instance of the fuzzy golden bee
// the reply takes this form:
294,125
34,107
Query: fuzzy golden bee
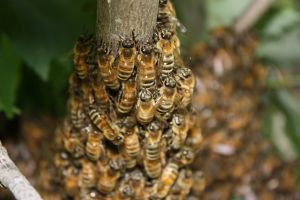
76,110
88,97
100,93
89,174
125,61
71,179
132,143
166,180
94,148
186,81
183,183
109,177
137,182
166,15
125,191
179,130
105,60
127,97
81,50
102,123
146,63
145,108
166,101
167,47
73,144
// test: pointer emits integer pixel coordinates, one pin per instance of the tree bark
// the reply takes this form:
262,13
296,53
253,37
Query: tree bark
11,177
118,18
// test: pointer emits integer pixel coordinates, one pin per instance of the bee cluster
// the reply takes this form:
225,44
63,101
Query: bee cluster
235,159
131,132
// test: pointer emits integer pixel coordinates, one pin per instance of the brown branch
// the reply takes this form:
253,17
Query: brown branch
250,16
118,18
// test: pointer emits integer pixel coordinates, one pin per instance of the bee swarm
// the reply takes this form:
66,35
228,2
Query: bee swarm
131,132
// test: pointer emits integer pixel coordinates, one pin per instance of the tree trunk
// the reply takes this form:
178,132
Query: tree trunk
117,19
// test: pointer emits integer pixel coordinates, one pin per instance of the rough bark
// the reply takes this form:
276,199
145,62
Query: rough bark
12,178
118,18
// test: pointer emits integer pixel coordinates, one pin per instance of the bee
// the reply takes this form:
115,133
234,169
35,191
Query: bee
146,62
62,160
137,182
166,15
167,47
183,183
125,191
105,60
126,59
71,179
199,182
186,156
179,130
100,93
94,148
73,144
87,95
102,123
152,160
89,174
145,108
81,50
127,97
130,162
195,138
132,143
186,81
166,101
166,180
109,177
76,110
153,138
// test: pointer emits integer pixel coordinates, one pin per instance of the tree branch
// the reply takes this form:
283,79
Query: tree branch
11,177
250,16
117,18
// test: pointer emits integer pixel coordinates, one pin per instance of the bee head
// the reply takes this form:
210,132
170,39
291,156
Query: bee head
162,3
185,72
128,43
170,82
147,48
119,140
154,126
166,34
145,95
178,119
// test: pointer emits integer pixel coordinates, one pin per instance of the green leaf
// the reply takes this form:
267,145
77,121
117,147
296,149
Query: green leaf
284,51
224,12
285,19
10,65
43,30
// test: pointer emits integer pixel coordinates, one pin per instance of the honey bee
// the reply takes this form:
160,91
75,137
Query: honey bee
62,160
73,144
153,168
186,81
166,15
186,156
145,108
87,95
166,101
109,177
166,181
94,148
81,50
125,191
105,60
71,179
100,93
89,174
126,59
132,143
199,183
167,48
137,182
76,110
102,123
179,130
146,67
195,138
127,97
183,183
130,162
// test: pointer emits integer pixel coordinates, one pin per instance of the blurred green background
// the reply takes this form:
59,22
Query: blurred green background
36,40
